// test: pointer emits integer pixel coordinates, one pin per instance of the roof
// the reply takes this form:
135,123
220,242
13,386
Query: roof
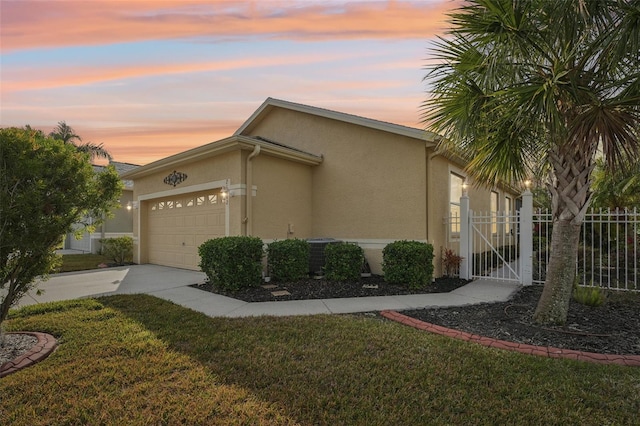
121,168
222,146
271,103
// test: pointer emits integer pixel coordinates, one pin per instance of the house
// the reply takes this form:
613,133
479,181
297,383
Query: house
297,171
119,225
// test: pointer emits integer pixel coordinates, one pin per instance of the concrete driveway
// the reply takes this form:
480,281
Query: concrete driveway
121,280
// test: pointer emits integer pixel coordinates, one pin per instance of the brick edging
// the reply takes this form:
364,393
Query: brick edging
44,346
548,351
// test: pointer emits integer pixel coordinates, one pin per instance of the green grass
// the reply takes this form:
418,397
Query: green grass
81,262
137,360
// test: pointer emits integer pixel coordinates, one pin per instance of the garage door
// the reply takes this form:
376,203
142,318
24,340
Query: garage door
178,225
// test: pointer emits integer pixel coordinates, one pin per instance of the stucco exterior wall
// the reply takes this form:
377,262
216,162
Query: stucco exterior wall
281,208
369,189
370,185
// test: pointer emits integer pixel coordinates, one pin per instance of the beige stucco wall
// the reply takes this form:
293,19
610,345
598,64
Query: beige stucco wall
370,187
281,208
370,184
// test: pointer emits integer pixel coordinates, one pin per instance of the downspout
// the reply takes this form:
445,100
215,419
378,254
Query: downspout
249,190
429,159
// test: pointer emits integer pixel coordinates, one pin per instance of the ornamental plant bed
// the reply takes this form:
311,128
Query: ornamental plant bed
613,328
323,289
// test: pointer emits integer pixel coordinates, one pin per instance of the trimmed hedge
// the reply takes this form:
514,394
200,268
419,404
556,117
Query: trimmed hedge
232,263
288,260
408,263
343,262
119,249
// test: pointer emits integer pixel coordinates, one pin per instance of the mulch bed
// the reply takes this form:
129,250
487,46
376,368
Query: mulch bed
613,328
323,289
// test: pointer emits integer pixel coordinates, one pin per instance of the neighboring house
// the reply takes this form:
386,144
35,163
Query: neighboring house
296,171
119,225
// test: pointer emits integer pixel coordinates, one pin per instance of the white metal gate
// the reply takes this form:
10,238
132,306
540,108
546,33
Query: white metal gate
494,246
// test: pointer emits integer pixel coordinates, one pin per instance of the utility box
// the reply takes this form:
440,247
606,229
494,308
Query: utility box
316,254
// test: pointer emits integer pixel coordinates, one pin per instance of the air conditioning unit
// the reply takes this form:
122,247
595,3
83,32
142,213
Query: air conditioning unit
316,254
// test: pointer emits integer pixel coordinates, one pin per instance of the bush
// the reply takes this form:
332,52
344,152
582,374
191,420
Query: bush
408,263
288,260
343,262
588,296
119,250
232,263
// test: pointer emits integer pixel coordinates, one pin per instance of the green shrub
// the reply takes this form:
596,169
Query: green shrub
232,263
343,262
119,250
589,296
408,263
288,260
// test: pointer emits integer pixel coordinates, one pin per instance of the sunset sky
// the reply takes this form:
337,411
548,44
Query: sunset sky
152,78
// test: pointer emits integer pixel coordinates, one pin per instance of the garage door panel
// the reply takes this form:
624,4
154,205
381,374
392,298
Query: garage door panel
177,226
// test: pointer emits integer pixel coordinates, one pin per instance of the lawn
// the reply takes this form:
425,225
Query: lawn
81,262
136,360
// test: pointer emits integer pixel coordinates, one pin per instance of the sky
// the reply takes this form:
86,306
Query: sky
149,79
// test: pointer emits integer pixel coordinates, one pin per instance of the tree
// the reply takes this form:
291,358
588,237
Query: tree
45,187
65,133
616,189
520,83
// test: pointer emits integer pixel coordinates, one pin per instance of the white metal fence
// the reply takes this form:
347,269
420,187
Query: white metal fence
609,251
516,247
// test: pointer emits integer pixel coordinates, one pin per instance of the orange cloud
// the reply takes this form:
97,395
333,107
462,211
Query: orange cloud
31,24
36,79
144,144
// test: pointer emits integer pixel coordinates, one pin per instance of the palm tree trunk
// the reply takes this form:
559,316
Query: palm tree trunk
553,305
569,199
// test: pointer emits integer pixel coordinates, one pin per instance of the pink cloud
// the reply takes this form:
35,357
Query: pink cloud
34,24
35,79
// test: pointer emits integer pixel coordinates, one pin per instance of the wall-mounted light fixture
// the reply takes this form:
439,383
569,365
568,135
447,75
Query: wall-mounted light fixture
225,194
132,205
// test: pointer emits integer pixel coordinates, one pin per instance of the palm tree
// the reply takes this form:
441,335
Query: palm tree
65,133
520,83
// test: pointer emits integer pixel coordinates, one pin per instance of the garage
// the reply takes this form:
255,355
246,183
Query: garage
178,225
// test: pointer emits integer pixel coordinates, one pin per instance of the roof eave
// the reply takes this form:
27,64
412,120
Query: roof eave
223,146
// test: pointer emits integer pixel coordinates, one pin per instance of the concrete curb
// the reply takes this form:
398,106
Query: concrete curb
43,348
547,351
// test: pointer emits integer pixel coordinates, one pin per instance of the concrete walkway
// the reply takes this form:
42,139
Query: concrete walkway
173,284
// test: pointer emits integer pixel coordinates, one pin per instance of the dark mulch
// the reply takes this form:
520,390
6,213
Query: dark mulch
613,328
322,289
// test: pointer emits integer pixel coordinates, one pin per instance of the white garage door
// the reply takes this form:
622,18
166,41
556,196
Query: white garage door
178,225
